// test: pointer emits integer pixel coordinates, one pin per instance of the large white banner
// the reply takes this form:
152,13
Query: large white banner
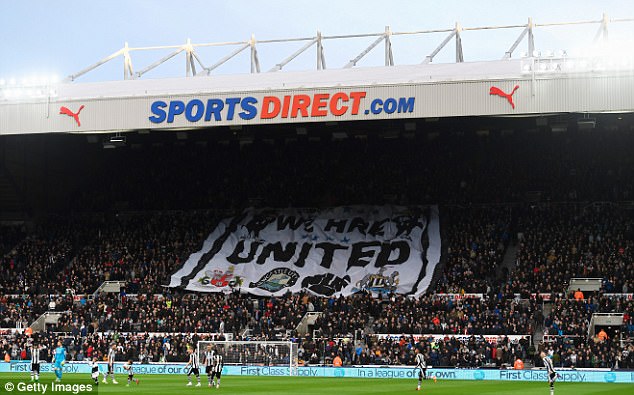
491,339
336,251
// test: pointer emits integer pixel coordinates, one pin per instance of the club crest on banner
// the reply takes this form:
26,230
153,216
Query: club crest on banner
276,279
220,279
379,282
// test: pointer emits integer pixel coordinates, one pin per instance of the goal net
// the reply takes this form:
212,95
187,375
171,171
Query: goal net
253,353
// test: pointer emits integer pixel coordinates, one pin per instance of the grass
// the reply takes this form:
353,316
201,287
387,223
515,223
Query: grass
175,384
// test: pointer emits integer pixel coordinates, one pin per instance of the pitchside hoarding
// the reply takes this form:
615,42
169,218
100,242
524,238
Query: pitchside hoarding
20,369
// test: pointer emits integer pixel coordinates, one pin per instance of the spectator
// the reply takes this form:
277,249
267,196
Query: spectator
602,335
578,295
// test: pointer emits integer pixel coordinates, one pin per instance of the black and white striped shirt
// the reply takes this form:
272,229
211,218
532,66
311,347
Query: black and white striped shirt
111,356
94,367
209,358
193,360
217,367
420,361
548,364
35,355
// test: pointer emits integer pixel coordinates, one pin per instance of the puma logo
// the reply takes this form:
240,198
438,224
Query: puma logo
509,96
75,115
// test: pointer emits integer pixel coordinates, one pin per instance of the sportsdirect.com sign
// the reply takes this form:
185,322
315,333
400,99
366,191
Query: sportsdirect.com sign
317,105
569,376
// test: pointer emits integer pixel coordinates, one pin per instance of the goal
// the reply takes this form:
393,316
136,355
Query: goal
254,353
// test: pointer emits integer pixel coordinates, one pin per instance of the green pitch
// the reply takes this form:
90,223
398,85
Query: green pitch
175,384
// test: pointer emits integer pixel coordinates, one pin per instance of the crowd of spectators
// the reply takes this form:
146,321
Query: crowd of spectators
78,255
453,168
437,315
559,242
574,353
475,351
20,310
32,264
10,236
555,241
480,183
477,238
139,248
89,326
571,317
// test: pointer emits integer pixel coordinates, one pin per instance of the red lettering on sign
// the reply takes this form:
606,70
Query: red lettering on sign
300,104
319,105
356,101
267,111
335,109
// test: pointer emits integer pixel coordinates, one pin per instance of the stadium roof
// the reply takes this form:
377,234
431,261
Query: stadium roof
333,78
533,84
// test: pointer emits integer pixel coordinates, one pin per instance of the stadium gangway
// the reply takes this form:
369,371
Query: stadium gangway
553,338
192,58
585,284
604,319
49,317
109,287
307,320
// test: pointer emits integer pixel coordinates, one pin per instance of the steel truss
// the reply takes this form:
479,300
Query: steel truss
192,58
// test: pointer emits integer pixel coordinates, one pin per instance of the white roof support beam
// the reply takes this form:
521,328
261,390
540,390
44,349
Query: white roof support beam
444,42
456,32
353,62
190,66
531,40
108,58
128,71
191,57
226,59
295,54
602,33
195,57
321,59
389,57
255,62
459,55
159,62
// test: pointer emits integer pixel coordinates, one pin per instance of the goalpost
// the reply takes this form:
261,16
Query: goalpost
253,353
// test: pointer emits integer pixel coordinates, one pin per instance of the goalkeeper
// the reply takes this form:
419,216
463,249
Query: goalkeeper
59,360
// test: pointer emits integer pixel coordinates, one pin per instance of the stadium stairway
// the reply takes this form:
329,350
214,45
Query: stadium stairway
538,334
369,327
508,262
307,322
50,317
546,309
